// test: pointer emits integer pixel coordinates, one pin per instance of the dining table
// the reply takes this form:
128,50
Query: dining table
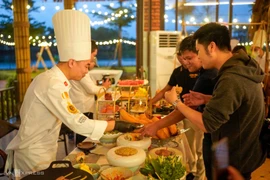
98,153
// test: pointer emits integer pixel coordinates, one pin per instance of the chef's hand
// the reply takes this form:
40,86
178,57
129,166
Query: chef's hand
149,130
171,96
107,83
123,126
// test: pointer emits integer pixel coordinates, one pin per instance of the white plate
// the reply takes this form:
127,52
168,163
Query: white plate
123,141
126,161
175,151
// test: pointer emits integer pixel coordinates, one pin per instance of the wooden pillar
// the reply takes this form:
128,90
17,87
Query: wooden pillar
153,15
139,39
153,20
22,47
68,4
230,16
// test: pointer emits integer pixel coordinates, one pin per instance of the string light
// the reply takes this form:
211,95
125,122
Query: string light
57,8
37,41
42,8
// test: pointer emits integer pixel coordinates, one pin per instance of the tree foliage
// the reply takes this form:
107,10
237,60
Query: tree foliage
107,52
120,13
6,20
121,18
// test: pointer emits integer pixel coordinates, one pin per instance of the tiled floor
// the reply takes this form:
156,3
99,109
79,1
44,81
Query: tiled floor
262,173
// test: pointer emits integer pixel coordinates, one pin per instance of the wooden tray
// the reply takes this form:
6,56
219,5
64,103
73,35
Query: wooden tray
57,169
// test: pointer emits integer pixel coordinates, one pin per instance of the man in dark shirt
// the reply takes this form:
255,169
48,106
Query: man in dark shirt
204,84
234,111
181,77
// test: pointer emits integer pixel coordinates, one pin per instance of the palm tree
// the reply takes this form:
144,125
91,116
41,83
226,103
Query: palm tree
122,17
6,20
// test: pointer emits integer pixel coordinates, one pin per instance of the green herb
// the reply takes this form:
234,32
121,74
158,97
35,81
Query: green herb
165,168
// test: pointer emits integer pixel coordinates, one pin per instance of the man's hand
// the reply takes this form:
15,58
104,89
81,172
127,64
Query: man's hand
234,174
149,130
124,127
171,96
193,99
148,113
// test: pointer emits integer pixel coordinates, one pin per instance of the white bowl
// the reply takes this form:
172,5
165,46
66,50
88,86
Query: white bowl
124,140
110,137
126,161
116,173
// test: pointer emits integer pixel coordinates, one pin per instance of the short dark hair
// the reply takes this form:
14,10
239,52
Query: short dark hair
214,32
188,43
237,48
93,46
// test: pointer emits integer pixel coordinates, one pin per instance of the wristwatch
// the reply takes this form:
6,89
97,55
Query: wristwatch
175,103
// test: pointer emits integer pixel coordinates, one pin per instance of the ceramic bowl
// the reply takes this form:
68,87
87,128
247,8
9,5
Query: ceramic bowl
130,139
128,161
116,173
110,137
92,166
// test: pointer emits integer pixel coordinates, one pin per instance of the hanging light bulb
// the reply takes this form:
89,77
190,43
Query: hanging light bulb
42,8
57,8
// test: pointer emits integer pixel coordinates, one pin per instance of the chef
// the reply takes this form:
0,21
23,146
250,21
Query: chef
47,103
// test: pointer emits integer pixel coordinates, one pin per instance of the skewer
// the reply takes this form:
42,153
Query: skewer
75,177
68,174
85,177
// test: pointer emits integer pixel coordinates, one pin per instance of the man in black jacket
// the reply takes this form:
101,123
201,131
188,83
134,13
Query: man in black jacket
236,109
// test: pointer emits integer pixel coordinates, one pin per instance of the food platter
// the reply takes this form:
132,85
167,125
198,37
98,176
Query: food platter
126,160
164,151
133,84
131,139
116,173
86,145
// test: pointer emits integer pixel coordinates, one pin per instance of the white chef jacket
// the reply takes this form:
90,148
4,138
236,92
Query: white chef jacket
46,105
83,93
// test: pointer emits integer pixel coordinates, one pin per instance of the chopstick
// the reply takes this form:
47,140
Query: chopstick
85,177
75,177
68,174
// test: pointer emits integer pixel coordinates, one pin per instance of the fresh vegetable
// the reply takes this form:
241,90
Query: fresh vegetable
148,168
165,168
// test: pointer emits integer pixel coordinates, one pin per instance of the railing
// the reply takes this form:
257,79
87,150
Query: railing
8,103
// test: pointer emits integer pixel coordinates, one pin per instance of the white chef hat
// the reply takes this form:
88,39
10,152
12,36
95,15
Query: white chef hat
73,35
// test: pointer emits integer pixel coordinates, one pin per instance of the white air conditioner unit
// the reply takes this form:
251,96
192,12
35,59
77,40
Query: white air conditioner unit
162,57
